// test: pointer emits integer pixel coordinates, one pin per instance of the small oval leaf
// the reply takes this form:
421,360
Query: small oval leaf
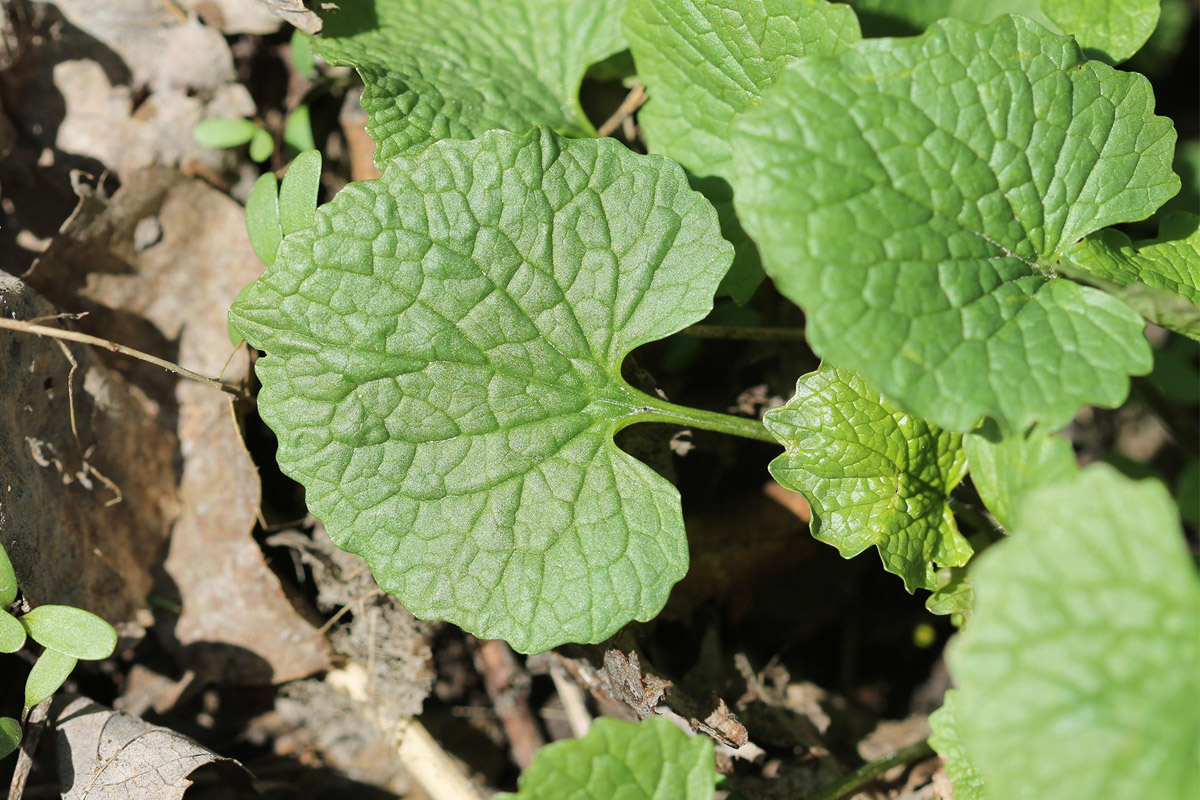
221,134
302,54
8,581
297,131
12,633
48,673
261,146
10,735
73,631
262,218
298,192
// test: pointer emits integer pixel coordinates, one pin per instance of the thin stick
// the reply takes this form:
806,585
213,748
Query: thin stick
425,760
573,700
73,336
632,102
851,783
742,332
507,685
33,722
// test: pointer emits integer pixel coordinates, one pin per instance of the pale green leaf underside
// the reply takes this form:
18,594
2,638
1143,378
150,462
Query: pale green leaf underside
616,760
452,69
1159,277
1003,468
703,61
10,735
872,474
444,352
1112,29
944,739
1079,672
914,194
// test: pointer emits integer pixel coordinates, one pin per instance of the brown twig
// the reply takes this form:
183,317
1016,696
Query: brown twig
632,102
22,326
33,722
507,685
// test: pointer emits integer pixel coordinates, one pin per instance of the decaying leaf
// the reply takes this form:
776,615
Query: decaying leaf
82,518
157,265
107,755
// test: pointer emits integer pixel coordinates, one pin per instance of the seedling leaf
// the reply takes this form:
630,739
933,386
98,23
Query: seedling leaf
943,738
221,134
12,633
71,631
261,146
438,69
298,192
48,674
10,735
651,760
702,62
914,196
262,218
1159,277
8,581
1077,671
300,47
1003,468
443,373
297,131
872,474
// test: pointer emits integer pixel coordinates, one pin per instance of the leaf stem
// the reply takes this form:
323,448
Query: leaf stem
745,333
656,409
22,326
868,772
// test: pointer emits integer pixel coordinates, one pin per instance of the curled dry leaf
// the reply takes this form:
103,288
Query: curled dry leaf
69,540
166,294
294,12
106,755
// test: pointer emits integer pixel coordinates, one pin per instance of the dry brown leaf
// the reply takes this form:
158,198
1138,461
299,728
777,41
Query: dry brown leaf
293,11
68,540
159,265
106,755
234,16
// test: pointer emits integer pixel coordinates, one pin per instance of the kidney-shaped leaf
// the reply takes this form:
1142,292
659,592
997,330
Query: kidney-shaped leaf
872,474
914,196
73,631
443,372
651,760
1078,672
439,69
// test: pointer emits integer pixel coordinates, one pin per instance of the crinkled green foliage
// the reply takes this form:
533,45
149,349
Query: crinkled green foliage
10,735
1158,277
452,69
1003,468
873,474
914,195
49,672
702,62
954,595
1078,671
651,760
72,631
1110,29
443,372
943,738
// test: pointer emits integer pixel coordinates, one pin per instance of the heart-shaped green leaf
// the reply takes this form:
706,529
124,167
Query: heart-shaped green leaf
651,760
872,474
48,674
703,61
1077,671
12,633
443,372
72,631
439,69
914,196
